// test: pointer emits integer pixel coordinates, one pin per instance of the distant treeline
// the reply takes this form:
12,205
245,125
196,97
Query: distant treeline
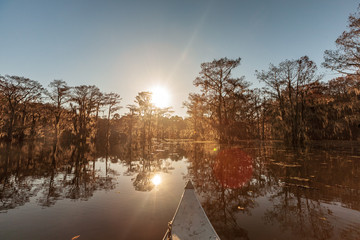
78,114
295,105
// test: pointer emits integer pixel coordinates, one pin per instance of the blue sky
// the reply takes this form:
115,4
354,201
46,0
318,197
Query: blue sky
130,46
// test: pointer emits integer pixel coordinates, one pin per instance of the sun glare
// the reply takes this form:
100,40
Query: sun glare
160,97
156,180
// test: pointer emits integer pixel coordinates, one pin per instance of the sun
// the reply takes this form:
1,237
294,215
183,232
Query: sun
160,97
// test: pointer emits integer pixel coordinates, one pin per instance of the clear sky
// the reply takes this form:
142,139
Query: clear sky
130,46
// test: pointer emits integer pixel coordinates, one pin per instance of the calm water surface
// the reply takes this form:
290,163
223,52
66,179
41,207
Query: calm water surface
254,190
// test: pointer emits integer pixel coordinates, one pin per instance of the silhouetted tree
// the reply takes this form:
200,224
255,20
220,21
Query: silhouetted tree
145,109
84,103
196,110
289,85
17,94
220,91
346,58
112,101
343,108
58,95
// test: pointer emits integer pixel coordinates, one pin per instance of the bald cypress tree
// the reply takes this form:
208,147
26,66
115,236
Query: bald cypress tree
346,58
222,93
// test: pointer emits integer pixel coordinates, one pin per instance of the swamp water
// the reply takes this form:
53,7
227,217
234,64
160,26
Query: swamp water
253,190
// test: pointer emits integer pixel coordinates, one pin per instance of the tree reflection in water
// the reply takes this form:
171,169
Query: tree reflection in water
54,172
208,171
304,193
298,186
151,160
50,174
233,168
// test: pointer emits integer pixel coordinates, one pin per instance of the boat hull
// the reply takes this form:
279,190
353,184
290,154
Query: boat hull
190,220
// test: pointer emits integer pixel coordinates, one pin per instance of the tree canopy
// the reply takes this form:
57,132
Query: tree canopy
345,58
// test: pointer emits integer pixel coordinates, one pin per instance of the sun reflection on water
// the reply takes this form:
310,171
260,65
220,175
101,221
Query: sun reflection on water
156,180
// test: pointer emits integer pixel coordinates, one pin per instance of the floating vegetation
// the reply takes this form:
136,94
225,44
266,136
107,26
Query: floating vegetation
300,179
285,164
298,185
